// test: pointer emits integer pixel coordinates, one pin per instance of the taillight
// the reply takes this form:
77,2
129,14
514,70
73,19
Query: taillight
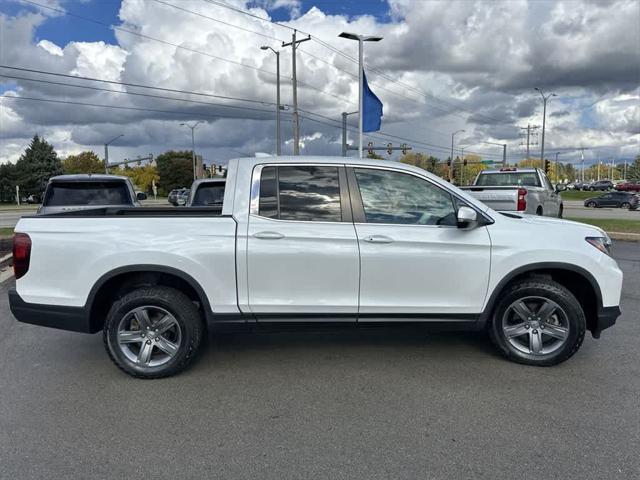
522,202
21,254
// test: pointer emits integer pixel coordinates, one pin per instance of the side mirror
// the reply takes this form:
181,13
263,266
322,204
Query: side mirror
141,196
560,187
467,217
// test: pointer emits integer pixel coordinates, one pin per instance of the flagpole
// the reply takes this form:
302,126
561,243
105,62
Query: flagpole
361,39
360,94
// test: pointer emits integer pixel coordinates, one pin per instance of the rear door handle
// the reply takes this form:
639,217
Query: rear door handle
378,239
268,235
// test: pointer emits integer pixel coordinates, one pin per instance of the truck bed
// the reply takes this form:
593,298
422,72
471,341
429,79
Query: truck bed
208,211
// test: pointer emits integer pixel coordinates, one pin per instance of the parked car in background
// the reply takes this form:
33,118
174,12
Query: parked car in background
306,239
86,191
525,190
173,196
575,186
613,199
183,198
628,187
603,185
208,192
33,199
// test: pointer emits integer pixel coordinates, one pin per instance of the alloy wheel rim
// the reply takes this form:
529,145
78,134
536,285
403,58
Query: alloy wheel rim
535,326
149,336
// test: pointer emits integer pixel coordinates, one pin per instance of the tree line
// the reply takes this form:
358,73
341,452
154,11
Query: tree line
39,162
174,169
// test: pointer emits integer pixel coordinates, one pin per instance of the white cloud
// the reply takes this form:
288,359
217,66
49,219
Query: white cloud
50,47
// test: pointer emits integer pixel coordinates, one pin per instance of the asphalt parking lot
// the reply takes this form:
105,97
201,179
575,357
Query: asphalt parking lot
364,404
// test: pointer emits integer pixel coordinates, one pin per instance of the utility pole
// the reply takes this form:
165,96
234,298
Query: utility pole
360,39
452,169
106,152
296,118
544,119
557,179
278,138
193,144
582,157
531,131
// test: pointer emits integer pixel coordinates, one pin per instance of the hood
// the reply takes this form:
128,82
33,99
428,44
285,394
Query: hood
556,223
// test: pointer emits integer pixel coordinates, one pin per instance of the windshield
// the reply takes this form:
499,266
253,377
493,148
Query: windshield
86,193
505,179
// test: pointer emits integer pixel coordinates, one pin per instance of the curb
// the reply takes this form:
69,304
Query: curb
623,236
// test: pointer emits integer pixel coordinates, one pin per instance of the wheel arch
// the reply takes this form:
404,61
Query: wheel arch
576,279
116,282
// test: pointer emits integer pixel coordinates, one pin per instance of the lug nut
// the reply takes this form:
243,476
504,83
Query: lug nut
148,342
526,325
535,331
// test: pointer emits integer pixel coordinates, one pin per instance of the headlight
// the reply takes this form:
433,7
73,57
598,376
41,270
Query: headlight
601,243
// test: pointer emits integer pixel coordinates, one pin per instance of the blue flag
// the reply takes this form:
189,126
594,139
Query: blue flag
371,108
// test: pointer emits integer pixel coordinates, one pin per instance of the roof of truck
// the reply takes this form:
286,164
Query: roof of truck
86,177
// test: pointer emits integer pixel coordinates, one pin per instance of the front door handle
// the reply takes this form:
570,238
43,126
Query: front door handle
268,235
378,239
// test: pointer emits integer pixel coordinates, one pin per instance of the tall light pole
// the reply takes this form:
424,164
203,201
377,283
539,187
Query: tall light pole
278,139
557,178
106,152
452,169
193,143
360,39
545,98
504,151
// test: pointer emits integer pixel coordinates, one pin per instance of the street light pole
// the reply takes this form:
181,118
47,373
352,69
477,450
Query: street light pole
360,39
106,152
452,168
193,143
278,139
545,98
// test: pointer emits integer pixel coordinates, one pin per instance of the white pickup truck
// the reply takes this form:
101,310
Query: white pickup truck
314,239
523,190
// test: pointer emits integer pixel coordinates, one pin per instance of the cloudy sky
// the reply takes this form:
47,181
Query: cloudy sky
442,66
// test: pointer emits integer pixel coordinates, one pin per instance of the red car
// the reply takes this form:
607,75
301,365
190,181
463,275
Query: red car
628,187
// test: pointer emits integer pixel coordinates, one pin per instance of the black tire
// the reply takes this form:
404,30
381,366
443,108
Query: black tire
591,189
539,211
560,211
185,314
547,289
591,205
625,205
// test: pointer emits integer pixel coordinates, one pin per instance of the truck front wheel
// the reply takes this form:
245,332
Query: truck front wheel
538,322
153,332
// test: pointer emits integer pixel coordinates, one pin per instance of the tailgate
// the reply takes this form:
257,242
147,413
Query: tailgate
500,199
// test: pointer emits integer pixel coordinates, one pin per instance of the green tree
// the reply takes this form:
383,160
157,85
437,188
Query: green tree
175,169
85,162
143,176
36,165
633,170
7,182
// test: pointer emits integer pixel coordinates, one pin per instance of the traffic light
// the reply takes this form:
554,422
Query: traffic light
547,167
464,162
389,148
370,144
404,148
448,162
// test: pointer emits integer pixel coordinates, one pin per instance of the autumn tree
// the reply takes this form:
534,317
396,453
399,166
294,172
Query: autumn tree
84,162
142,177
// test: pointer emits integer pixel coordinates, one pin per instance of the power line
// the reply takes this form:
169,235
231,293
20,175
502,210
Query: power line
218,20
118,107
137,85
123,92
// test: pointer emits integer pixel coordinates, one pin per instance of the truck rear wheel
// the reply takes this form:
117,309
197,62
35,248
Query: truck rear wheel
153,332
538,322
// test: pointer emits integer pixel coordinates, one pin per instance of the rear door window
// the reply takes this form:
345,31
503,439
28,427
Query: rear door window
86,193
301,193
